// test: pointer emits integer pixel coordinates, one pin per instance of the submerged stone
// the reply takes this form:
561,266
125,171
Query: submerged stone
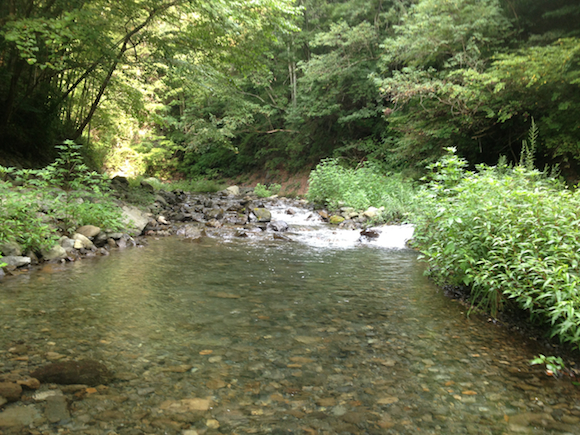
86,372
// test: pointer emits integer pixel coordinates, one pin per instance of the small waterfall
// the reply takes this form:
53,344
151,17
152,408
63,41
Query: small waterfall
307,227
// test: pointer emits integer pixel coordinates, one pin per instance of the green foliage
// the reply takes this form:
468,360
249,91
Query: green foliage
457,74
65,189
19,218
336,186
507,233
263,191
554,364
199,185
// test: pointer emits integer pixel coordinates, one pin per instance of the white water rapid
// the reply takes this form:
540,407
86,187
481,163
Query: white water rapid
307,227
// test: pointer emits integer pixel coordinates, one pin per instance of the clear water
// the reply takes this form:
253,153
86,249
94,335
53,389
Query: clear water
277,337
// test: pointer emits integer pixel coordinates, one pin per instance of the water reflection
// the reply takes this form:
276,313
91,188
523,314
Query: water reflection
280,337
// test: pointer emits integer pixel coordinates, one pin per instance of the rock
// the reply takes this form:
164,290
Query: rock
233,190
3,401
10,391
126,241
10,249
43,395
191,232
57,252
262,214
84,241
371,212
30,383
279,226
16,261
214,213
67,244
186,405
335,220
147,185
89,231
87,372
19,349
19,416
120,183
214,223
135,219
56,409
161,200
212,423
370,233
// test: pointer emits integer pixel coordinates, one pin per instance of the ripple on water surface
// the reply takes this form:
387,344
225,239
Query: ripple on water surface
277,338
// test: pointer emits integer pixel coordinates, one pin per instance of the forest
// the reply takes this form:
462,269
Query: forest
222,87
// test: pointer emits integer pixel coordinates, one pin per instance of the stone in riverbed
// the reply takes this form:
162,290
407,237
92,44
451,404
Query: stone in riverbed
16,261
10,391
233,190
82,241
56,409
86,372
262,214
279,226
335,220
19,416
57,252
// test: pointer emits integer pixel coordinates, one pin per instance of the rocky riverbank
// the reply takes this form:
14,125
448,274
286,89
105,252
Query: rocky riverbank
233,212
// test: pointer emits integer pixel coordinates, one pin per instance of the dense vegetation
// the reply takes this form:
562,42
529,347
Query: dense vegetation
222,87
506,233
38,204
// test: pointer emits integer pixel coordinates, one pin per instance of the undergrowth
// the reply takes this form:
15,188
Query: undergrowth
38,203
506,233
335,186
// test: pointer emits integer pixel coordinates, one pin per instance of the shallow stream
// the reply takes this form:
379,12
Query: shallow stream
273,336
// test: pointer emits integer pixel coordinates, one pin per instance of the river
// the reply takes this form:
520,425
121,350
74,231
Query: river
318,334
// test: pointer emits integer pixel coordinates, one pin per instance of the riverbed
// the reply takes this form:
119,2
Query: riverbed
307,335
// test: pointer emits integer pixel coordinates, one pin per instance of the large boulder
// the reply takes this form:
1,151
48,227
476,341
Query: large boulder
134,219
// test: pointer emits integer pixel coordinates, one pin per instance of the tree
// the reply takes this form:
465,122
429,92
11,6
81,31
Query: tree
60,56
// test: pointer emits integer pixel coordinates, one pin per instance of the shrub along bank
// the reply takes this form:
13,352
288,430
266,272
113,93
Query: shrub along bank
38,204
505,233
335,186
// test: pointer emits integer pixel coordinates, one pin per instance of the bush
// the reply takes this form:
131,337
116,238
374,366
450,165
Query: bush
336,186
262,191
506,233
65,190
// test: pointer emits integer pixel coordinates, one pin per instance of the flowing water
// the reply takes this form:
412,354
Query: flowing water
308,336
